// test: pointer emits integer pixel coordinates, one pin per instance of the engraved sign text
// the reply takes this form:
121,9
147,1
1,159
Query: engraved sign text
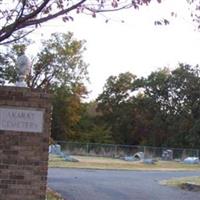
22,120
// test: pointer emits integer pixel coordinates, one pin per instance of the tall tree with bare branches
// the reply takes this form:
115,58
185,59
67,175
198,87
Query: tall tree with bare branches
20,17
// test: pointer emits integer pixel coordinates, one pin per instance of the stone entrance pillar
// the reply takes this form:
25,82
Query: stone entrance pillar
25,126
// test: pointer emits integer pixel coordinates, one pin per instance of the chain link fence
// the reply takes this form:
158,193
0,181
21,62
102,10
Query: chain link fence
119,151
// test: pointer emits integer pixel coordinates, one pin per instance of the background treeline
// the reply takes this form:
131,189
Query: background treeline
162,109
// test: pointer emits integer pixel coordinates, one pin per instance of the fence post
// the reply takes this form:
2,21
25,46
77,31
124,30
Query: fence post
198,153
87,148
115,154
144,151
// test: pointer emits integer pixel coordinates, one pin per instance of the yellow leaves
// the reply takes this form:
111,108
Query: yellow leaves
74,109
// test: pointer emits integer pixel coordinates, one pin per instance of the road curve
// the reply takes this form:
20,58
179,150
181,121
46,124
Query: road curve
80,184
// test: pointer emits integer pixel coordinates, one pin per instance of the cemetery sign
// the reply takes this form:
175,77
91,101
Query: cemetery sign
21,120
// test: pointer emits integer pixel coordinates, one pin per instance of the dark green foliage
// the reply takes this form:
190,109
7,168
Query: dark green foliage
116,110
161,110
91,128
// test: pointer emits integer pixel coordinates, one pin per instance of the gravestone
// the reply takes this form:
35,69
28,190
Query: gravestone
25,126
167,154
191,160
55,149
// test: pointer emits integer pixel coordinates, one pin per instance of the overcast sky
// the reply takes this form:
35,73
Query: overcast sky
136,45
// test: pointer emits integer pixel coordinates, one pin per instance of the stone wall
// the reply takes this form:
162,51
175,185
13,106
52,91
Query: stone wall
23,154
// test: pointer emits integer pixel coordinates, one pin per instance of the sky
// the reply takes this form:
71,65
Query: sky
137,45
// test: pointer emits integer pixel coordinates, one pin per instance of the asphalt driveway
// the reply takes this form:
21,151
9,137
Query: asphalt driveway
79,184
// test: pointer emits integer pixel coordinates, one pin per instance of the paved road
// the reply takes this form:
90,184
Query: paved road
76,184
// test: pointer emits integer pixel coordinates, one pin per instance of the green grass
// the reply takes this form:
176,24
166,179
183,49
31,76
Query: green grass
109,163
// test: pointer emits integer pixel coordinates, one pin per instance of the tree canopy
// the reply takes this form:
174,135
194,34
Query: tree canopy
163,109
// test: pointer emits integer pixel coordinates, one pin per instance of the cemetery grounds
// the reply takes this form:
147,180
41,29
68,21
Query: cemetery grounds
91,160
106,156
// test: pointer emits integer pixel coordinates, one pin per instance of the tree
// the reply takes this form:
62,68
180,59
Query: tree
90,127
156,87
162,109
67,110
60,62
21,17
184,87
175,105
115,107
116,91
60,68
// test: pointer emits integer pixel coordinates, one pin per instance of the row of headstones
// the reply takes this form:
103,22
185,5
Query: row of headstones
166,155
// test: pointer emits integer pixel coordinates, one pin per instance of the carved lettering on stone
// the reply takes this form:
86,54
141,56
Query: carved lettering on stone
21,119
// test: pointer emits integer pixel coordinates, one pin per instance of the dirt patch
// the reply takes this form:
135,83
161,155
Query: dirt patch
52,195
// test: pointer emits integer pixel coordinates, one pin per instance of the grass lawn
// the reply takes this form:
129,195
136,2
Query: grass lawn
179,181
186,183
109,163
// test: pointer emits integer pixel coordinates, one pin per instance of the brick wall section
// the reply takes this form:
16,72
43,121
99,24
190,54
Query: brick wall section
24,156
